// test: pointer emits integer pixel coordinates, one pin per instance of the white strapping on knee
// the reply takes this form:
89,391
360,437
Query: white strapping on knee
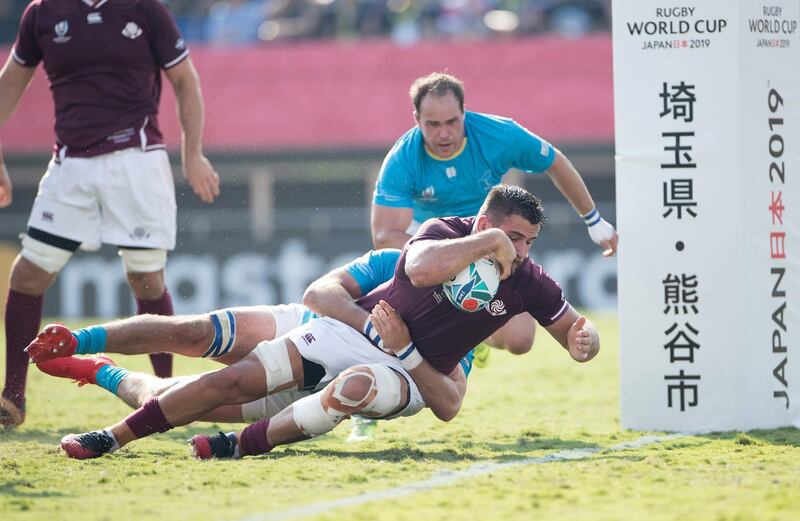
339,384
143,261
224,324
312,418
50,258
389,396
274,356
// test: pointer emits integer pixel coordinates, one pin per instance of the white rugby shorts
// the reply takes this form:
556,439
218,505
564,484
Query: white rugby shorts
336,347
125,198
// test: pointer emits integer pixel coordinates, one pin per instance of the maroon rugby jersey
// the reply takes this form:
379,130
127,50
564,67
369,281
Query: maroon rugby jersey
103,63
442,333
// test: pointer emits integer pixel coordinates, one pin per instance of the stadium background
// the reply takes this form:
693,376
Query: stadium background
297,125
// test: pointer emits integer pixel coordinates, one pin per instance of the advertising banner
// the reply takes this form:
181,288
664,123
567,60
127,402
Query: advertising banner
706,122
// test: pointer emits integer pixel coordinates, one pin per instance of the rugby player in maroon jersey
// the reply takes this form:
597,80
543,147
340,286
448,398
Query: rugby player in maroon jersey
109,179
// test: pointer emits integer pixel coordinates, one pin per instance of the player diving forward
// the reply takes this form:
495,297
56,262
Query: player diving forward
226,336
364,379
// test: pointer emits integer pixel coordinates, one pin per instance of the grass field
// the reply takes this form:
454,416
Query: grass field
488,463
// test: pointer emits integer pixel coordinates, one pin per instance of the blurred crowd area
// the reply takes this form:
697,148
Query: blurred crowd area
248,22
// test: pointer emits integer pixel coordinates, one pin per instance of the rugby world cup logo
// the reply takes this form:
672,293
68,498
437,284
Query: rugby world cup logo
61,29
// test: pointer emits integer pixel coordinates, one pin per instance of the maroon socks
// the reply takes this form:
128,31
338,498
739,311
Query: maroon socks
23,319
148,419
162,362
253,440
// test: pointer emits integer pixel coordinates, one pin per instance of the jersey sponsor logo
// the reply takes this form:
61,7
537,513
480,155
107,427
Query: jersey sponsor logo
61,29
132,31
180,44
439,296
497,308
122,136
545,149
308,337
94,18
48,216
428,194
450,171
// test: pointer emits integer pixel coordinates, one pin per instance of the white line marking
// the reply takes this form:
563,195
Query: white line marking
448,477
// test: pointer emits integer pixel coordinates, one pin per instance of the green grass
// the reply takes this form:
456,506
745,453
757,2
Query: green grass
517,408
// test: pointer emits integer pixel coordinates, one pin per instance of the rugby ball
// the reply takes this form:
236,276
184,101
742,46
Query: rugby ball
475,286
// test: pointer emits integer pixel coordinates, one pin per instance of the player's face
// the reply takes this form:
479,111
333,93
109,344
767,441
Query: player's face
441,121
522,234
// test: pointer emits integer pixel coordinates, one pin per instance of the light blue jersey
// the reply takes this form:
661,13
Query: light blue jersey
373,269
412,177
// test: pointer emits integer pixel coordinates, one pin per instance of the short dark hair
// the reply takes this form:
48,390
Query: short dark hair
506,200
437,83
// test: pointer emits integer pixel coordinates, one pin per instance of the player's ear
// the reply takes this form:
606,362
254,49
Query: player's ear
416,116
482,223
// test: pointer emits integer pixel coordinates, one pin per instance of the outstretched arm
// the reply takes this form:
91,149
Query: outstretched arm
576,334
442,393
196,168
569,182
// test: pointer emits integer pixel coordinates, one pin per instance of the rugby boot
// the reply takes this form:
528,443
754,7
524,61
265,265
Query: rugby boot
88,445
81,369
220,445
54,341
482,352
10,414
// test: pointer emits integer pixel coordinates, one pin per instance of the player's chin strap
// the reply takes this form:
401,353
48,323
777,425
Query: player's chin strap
600,230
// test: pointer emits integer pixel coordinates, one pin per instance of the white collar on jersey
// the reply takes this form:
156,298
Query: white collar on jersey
94,4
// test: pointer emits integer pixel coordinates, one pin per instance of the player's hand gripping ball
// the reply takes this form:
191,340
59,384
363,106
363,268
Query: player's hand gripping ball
475,286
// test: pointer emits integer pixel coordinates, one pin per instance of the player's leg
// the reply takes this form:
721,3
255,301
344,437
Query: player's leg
135,388
372,390
64,214
516,336
150,291
225,335
28,282
138,214
274,367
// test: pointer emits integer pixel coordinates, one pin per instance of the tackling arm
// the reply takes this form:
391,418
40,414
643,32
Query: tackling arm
334,295
14,79
576,334
196,168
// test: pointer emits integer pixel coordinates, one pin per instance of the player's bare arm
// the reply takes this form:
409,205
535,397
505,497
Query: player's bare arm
14,79
333,295
429,263
576,334
389,225
196,168
5,182
569,182
442,393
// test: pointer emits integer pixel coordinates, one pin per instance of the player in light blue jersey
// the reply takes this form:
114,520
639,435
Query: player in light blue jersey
226,335
449,161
